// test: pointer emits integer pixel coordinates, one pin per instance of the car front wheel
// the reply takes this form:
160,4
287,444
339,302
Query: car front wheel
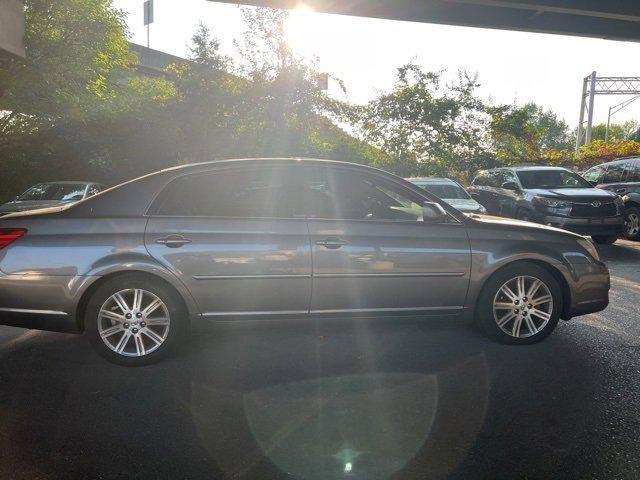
520,304
633,224
134,320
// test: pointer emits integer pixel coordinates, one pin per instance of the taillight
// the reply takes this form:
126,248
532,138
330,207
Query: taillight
10,235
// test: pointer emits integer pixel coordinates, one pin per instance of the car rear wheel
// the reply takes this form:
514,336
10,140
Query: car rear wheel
604,239
633,224
134,320
520,304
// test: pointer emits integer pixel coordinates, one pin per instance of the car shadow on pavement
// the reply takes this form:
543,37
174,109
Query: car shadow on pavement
370,399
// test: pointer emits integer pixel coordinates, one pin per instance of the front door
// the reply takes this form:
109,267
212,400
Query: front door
235,240
372,253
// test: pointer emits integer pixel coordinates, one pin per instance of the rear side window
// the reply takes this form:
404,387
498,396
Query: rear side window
255,193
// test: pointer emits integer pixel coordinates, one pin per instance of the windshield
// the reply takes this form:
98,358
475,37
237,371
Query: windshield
551,179
445,190
54,191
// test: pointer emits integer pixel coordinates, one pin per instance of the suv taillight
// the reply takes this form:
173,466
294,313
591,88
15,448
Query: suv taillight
10,235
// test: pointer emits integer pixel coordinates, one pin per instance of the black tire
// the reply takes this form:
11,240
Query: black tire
485,311
633,223
604,239
176,325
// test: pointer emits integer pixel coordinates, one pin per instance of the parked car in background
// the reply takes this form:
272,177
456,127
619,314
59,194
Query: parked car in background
553,196
51,194
451,192
277,238
621,177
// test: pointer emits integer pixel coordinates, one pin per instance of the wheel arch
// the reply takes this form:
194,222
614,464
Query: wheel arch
549,268
90,290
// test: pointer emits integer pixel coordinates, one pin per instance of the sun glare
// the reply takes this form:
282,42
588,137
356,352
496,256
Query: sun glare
301,29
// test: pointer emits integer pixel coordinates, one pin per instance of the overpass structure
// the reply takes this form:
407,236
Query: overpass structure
609,19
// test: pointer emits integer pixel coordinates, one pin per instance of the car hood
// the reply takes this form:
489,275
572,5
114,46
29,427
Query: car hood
577,194
11,207
520,225
463,204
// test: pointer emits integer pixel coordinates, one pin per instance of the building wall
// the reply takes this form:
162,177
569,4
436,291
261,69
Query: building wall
11,28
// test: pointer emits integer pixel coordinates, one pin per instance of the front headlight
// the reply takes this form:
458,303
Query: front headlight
589,247
549,202
481,209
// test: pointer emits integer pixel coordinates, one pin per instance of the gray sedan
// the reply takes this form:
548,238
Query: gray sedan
274,238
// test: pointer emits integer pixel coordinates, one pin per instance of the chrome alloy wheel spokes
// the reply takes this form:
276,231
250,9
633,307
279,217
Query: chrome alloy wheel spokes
523,306
633,225
133,322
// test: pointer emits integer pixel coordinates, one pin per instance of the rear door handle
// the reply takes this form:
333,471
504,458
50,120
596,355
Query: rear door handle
173,241
331,242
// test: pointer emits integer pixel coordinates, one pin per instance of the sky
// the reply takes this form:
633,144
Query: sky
511,66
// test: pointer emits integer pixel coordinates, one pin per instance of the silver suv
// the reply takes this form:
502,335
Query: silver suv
274,238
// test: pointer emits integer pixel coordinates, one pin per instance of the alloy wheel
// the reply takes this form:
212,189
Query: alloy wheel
133,322
633,224
523,306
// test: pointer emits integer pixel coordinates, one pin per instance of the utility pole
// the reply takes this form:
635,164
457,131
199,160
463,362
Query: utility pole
148,17
594,85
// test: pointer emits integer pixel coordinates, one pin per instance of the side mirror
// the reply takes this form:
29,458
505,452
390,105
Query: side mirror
433,212
511,186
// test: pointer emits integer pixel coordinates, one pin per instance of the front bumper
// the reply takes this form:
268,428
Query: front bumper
588,226
589,285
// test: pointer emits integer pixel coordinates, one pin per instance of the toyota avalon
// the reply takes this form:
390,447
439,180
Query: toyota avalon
133,266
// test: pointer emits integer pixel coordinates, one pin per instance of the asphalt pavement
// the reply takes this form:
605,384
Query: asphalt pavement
365,399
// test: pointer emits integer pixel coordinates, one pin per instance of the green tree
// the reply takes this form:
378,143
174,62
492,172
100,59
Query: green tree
520,134
426,127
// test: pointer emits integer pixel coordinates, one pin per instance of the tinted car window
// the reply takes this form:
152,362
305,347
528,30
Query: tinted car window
445,190
615,173
346,195
551,179
54,191
595,174
257,193
633,170
480,180
504,176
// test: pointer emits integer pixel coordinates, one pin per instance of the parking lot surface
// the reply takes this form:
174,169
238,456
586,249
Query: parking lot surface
394,398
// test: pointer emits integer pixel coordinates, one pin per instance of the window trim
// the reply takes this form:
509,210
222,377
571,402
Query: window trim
155,205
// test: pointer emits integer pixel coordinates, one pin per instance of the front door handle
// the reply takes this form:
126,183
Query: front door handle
331,242
173,241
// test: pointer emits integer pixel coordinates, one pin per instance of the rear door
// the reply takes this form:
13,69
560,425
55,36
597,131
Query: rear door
372,253
235,239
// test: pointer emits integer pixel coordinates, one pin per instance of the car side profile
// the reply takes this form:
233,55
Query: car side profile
551,196
621,177
51,194
274,238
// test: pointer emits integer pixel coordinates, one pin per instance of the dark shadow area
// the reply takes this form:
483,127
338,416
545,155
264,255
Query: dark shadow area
365,399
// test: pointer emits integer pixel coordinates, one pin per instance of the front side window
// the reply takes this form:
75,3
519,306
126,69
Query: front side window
594,174
551,179
633,169
615,173
347,195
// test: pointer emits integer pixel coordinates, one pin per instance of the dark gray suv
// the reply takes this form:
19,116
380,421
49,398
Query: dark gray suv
552,196
276,238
